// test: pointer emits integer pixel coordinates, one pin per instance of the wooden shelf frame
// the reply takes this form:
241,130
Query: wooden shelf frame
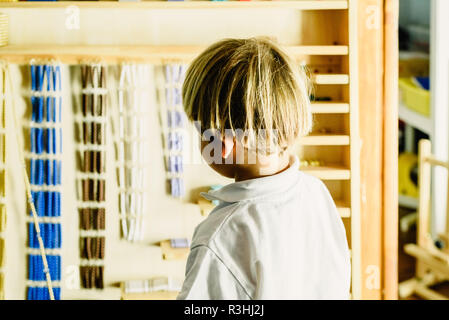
330,107
329,172
325,140
297,4
330,79
75,54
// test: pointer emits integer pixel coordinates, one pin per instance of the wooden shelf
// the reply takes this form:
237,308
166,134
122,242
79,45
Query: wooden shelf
330,107
330,172
108,293
169,253
318,50
343,209
156,295
301,4
325,140
74,54
331,79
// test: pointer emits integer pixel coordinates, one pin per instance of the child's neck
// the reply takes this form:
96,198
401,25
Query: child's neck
271,166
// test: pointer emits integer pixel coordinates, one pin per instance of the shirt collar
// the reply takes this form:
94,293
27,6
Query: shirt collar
258,187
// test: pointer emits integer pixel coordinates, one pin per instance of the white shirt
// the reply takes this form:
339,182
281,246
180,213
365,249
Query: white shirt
275,237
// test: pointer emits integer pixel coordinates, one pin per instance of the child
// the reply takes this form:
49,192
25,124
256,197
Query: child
276,233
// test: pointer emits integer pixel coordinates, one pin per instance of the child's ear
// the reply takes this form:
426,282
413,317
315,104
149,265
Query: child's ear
227,145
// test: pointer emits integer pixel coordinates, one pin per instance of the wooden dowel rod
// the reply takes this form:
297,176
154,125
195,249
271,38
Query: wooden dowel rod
433,161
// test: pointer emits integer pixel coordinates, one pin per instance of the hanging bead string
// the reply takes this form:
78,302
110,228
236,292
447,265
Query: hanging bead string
92,176
133,99
174,77
30,201
45,176
2,177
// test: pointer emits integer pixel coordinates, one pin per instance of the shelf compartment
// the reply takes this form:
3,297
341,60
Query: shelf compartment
330,107
328,172
325,140
330,79
74,54
301,4
339,192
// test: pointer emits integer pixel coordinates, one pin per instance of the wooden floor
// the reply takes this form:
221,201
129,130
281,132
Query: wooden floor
407,263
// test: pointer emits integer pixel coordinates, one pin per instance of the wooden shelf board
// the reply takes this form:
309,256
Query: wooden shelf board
318,50
155,295
74,54
325,140
169,253
108,293
331,79
330,172
301,4
343,209
330,107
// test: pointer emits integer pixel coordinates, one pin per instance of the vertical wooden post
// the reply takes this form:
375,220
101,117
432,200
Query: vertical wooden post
354,155
371,64
446,231
424,182
390,155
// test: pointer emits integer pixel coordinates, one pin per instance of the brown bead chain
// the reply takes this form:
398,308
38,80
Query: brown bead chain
87,161
82,277
85,133
93,189
101,218
100,282
101,190
85,219
86,193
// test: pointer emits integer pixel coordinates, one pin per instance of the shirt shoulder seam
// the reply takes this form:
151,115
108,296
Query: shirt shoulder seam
222,223
227,268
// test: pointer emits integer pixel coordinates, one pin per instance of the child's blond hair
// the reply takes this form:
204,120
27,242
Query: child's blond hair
248,84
